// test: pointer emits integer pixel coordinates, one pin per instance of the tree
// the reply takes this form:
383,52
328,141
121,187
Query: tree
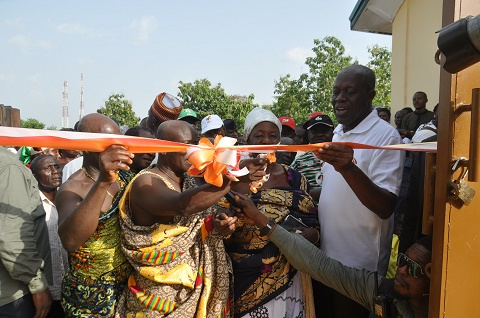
120,109
292,98
380,63
312,91
52,127
31,123
206,99
329,59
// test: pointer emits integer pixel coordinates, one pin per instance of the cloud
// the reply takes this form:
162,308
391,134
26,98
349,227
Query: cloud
142,29
46,45
298,54
21,41
35,78
15,23
6,78
75,29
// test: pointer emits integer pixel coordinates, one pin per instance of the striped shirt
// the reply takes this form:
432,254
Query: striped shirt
311,167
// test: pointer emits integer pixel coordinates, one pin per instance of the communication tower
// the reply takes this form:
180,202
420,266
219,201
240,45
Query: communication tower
82,109
65,105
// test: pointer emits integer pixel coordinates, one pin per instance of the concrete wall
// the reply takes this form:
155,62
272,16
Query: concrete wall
9,116
414,43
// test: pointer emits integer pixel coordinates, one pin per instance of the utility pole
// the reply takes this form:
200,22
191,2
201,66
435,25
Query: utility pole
82,107
65,105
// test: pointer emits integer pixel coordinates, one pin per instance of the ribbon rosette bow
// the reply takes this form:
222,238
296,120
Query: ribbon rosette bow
212,161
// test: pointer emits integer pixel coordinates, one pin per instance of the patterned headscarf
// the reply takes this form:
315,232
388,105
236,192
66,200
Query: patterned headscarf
256,116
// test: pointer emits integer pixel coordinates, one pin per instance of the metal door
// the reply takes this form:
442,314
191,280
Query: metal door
455,284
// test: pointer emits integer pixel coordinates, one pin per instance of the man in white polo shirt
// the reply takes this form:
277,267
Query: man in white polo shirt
360,187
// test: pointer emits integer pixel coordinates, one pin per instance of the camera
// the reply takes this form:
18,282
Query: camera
459,42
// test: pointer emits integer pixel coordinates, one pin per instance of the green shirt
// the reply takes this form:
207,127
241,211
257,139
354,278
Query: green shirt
25,265
311,167
357,284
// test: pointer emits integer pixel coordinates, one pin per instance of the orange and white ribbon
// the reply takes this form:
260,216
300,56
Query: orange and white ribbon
212,161
209,160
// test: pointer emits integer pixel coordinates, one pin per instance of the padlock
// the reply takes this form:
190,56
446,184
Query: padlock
465,191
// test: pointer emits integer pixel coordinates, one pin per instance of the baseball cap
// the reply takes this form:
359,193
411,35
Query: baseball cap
187,112
315,114
211,122
287,121
229,124
319,119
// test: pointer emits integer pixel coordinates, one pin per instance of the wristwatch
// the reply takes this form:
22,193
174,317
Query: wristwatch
267,228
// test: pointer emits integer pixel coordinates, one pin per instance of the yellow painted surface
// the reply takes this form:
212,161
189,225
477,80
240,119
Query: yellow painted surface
414,44
461,267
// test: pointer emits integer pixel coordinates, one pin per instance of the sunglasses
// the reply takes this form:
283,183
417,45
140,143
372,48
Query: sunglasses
414,269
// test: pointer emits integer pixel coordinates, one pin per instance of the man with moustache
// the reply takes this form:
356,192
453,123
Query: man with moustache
407,295
46,169
181,267
357,229
89,229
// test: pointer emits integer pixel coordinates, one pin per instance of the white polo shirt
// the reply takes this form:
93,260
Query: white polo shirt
350,232
71,167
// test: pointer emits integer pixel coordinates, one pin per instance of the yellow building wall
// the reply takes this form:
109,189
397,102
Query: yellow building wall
414,43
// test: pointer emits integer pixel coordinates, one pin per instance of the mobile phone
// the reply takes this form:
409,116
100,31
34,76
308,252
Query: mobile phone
231,199
292,222
380,302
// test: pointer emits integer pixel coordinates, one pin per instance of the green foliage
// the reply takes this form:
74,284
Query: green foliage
121,109
52,127
380,63
312,91
329,59
293,98
31,123
206,99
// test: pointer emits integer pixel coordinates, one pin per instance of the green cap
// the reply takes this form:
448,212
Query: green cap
187,112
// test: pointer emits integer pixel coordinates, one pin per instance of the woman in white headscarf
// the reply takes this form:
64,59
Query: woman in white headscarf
265,283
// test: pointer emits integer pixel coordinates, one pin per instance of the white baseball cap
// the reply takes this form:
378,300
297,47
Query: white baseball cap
211,122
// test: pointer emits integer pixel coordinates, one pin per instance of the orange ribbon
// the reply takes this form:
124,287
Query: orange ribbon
211,161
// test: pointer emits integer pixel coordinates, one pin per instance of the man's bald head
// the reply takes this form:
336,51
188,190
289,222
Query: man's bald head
176,130
98,123
365,74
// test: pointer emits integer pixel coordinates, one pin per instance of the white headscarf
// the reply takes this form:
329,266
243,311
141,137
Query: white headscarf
256,116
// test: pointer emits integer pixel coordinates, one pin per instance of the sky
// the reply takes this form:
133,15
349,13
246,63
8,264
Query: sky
143,48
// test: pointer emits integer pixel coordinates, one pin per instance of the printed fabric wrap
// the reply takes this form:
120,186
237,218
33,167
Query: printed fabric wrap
98,270
261,272
181,269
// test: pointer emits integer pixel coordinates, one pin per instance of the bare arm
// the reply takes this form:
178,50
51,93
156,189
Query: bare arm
378,200
151,195
78,217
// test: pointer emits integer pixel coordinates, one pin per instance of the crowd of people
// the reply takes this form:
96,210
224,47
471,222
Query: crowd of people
303,234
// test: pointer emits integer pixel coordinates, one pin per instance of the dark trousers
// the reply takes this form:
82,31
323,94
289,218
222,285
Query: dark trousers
56,311
20,308
331,304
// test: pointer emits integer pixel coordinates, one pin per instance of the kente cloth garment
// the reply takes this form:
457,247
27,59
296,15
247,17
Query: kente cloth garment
261,272
98,270
181,268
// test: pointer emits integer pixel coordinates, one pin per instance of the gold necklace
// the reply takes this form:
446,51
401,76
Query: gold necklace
89,176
